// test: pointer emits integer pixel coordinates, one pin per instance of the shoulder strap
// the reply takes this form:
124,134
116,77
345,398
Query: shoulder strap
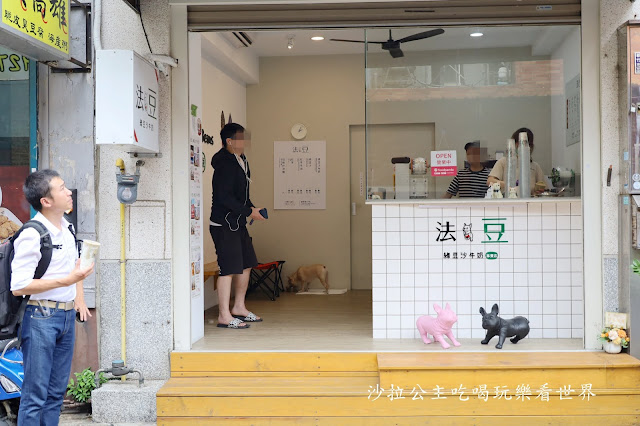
78,242
46,247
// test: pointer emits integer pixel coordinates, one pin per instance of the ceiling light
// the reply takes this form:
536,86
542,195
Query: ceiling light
476,34
290,41
317,38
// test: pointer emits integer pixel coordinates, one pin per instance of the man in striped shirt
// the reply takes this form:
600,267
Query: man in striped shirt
470,182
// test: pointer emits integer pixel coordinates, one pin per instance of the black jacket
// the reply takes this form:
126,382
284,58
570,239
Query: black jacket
230,200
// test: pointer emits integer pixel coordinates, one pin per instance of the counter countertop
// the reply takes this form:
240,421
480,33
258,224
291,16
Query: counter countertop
426,203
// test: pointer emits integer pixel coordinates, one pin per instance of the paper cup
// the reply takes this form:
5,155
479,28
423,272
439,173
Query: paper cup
89,253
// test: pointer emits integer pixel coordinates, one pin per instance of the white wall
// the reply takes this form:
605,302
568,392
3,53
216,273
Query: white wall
149,238
148,228
326,93
220,92
561,154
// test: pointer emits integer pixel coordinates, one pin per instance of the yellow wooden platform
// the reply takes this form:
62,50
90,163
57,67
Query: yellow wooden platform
496,388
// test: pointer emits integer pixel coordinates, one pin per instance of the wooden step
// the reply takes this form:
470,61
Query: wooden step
448,420
346,405
555,369
267,386
355,388
211,364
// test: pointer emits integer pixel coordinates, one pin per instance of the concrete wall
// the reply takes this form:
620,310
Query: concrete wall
612,15
148,221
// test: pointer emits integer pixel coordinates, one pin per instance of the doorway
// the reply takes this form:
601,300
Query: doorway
418,139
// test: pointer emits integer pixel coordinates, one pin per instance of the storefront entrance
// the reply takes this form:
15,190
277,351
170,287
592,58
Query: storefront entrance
267,142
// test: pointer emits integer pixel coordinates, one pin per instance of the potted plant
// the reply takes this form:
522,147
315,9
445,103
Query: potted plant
614,339
80,391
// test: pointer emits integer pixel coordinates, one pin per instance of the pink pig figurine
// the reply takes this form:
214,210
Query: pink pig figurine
438,327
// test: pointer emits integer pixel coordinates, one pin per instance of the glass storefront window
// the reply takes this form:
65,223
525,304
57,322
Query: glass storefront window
440,110
17,121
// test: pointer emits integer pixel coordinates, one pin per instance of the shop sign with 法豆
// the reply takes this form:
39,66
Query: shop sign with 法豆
493,230
13,66
42,22
443,163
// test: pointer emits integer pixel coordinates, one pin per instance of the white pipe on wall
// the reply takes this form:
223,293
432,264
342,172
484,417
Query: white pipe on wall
97,21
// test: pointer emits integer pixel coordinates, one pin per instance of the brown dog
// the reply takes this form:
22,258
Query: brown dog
305,274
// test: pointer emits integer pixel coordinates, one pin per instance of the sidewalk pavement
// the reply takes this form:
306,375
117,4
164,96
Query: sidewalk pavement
84,419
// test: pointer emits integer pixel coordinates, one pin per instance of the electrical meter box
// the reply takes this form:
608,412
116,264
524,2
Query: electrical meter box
127,107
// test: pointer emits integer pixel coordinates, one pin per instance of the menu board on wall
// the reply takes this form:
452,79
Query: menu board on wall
299,175
572,92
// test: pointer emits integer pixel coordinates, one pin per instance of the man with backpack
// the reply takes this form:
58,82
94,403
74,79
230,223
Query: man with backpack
48,325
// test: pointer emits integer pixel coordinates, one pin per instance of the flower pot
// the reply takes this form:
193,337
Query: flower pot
612,348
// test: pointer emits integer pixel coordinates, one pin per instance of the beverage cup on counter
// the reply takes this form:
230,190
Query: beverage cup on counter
89,253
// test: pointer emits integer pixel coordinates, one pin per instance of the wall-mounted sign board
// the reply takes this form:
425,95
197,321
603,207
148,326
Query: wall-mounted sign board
36,28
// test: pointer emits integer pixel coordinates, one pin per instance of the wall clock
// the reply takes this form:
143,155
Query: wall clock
299,131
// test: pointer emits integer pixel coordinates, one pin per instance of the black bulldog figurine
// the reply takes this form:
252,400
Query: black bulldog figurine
496,326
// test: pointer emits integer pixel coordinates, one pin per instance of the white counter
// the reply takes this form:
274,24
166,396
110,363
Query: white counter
454,202
420,256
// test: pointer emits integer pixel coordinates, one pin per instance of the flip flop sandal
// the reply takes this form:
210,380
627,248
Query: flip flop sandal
234,323
251,317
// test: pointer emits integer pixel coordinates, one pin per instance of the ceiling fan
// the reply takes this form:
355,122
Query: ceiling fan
393,46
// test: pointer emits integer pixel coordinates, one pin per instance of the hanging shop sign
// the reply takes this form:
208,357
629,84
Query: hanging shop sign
443,163
37,28
127,107
13,66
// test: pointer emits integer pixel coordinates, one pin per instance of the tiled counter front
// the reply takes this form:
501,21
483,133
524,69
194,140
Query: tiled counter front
527,257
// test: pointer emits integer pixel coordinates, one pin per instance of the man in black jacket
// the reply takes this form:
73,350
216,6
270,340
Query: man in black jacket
230,209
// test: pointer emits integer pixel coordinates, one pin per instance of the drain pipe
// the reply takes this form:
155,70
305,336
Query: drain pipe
97,24
123,312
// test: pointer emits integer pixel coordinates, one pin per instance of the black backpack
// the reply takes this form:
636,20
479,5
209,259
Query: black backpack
12,307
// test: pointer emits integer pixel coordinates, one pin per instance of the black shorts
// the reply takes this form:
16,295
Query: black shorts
235,249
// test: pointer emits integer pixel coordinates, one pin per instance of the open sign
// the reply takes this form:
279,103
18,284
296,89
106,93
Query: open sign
444,163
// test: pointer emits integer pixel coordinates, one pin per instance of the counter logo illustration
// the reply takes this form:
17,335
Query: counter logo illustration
446,233
146,101
494,230
464,255
466,230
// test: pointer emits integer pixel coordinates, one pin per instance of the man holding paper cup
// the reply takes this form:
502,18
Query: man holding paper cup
48,326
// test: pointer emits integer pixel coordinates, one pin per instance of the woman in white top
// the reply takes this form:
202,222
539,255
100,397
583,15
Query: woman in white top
499,171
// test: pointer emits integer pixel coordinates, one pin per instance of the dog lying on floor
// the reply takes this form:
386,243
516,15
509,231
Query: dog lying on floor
305,274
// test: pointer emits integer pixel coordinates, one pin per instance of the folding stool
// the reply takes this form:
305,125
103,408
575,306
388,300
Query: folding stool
267,277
